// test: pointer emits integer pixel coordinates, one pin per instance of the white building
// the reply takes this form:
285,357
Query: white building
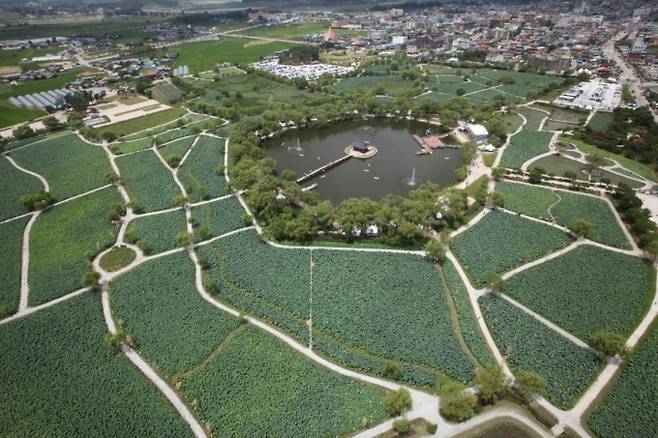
478,133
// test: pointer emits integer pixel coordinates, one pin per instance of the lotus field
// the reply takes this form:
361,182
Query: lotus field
502,241
11,236
524,146
597,290
70,165
531,346
218,217
156,233
13,185
527,199
147,181
89,389
625,410
202,172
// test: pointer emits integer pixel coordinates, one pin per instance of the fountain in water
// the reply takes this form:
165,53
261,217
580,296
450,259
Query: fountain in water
411,182
296,149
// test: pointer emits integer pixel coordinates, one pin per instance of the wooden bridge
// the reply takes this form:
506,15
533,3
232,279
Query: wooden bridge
323,169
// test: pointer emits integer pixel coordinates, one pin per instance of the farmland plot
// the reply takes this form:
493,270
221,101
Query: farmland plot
202,172
531,346
259,279
399,314
176,148
127,147
626,411
157,233
14,184
529,200
502,241
70,165
163,311
61,379
524,146
172,135
469,327
605,228
63,238
147,181
533,118
11,236
257,386
217,218
586,290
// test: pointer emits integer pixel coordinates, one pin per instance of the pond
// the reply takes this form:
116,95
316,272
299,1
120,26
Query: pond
388,172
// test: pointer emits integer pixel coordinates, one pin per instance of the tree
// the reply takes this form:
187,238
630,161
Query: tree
77,101
492,383
402,426
184,238
116,339
397,402
109,136
608,343
498,199
51,123
496,283
36,201
580,227
74,119
535,176
529,384
456,402
23,131
90,279
498,172
436,251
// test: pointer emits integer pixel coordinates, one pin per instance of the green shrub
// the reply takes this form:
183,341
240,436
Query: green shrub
397,402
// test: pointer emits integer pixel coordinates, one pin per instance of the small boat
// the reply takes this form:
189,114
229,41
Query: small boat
323,176
301,155
375,177
366,170
311,187
446,158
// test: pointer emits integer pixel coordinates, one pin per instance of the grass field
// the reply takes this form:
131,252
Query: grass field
143,122
598,290
14,184
177,148
500,242
200,173
203,56
147,181
70,165
531,346
560,165
622,413
14,57
289,32
533,118
156,233
526,199
63,237
11,115
391,85
601,121
116,259
11,236
29,87
60,378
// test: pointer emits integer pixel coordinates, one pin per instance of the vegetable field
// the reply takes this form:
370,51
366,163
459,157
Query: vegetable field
62,241
533,118
524,146
14,184
70,165
200,172
531,346
147,181
127,147
218,217
11,236
61,379
395,314
626,412
176,148
163,311
257,386
586,290
157,233
502,241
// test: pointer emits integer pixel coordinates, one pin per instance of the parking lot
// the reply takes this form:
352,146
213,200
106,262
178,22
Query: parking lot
595,94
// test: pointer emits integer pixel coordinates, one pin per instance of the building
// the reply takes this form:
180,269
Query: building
478,133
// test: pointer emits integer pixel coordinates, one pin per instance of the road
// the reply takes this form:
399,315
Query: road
627,75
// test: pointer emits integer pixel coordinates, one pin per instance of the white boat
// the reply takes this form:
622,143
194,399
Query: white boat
311,187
